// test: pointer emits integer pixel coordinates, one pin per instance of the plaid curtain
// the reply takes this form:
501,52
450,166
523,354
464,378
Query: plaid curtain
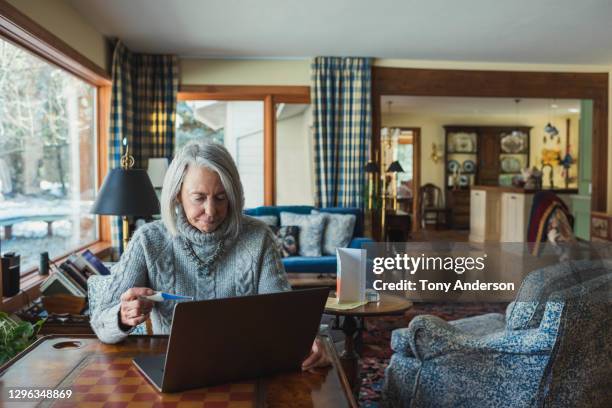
143,110
342,130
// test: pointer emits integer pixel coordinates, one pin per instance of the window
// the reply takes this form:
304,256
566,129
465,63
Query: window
238,125
47,157
266,130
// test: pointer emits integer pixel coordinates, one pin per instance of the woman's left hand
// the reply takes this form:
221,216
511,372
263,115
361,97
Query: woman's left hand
318,356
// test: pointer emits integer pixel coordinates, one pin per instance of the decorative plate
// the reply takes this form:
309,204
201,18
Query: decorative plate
469,166
515,142
452,166
510,164
464,180
462,143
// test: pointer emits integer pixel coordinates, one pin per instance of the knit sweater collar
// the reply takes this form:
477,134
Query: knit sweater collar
196,236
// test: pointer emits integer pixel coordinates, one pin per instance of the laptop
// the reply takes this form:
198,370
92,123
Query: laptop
226,340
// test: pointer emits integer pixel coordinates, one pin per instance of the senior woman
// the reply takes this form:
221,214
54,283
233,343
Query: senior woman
203,247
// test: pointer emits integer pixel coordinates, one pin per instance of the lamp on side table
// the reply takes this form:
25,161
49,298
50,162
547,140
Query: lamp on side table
126,192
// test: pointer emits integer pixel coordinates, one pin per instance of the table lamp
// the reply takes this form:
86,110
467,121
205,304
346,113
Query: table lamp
126,192
395,168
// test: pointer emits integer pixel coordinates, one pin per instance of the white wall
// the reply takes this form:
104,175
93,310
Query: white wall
244,72
295,160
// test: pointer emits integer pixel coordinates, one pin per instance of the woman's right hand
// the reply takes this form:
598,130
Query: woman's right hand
135,310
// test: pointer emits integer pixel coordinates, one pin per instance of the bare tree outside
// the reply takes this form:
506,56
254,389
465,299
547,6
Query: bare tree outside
47,156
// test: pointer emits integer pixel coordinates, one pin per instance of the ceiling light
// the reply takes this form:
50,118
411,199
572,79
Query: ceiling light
573,110
554,106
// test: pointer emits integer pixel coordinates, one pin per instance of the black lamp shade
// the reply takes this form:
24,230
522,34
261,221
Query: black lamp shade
395,167
371,167
126,192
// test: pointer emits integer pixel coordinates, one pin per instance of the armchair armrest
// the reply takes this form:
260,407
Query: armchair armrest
428,337
357,242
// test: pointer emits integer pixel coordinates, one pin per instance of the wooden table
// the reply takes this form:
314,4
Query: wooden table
353,323
45,365
311,280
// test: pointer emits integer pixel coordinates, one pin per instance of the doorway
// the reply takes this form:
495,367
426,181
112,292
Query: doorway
401,146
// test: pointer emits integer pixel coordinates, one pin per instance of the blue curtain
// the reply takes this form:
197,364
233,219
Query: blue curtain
143,110
342,128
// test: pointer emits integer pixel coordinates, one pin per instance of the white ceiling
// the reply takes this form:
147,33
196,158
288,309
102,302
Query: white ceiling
477,107
523,31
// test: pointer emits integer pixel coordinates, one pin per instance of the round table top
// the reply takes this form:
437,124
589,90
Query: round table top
387,305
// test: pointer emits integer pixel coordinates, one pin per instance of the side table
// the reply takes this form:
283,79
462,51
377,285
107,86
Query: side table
387,305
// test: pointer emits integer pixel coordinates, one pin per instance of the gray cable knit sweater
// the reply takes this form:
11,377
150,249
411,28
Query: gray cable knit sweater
192,263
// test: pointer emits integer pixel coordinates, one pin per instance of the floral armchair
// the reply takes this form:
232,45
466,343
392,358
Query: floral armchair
553,347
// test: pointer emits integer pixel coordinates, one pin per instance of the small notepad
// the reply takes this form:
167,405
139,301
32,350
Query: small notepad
351,275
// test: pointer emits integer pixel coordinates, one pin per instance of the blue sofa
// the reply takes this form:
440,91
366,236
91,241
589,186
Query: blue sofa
551,348
319,264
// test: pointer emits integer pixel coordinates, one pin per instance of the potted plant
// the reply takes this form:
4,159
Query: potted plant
15,336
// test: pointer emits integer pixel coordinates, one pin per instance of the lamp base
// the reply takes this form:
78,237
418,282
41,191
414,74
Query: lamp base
126,232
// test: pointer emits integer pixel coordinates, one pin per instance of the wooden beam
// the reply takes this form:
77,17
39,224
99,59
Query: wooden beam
281,94
25,32
269,150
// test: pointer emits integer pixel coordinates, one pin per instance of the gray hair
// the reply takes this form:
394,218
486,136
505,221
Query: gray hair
215,157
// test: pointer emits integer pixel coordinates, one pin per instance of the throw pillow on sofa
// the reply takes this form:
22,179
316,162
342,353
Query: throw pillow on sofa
287,239
338,231
311,231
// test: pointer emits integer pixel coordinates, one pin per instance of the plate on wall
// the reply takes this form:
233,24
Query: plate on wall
469,166
452,166
462,143
515,142
511,164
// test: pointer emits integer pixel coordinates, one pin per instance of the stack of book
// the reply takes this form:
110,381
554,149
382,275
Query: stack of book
70,277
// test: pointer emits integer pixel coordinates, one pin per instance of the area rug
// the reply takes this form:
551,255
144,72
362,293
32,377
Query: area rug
376,340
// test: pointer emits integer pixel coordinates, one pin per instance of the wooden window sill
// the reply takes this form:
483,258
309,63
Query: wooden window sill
31,280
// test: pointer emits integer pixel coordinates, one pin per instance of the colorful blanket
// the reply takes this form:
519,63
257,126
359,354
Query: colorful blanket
550,220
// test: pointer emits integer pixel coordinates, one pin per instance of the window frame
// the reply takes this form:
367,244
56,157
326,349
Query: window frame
25,33
270,96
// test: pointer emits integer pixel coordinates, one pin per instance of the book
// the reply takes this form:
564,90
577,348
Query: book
57,283
70,280
74,273
84,268
95,263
